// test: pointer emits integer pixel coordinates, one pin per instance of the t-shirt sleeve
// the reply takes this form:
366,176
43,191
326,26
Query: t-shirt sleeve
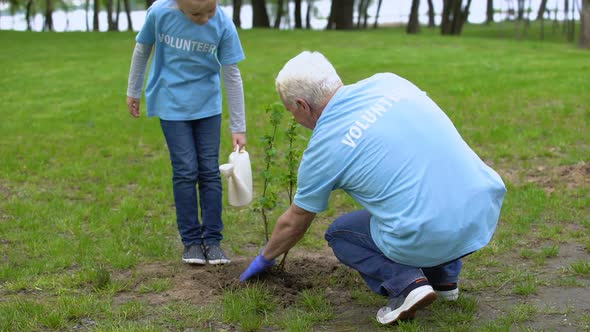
316,180
230,49
147,34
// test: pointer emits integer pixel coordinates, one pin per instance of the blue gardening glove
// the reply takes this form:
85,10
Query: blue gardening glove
258,265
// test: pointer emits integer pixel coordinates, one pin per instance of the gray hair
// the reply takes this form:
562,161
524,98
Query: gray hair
310,76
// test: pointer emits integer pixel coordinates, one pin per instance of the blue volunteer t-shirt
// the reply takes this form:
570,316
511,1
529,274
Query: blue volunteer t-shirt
390,147
184,83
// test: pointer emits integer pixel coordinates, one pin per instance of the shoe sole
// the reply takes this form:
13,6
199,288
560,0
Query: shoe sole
451,295
417,299
219,261
194,261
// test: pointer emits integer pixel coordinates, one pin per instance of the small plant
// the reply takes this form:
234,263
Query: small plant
268,200
290,178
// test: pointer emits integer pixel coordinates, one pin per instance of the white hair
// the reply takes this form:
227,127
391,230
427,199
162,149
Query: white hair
309,76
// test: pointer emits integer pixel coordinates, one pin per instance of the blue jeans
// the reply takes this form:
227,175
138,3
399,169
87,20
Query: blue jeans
350,239
194,153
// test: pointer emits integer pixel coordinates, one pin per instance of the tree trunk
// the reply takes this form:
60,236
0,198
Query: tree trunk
330,24
431,23
95,25
572,29
413,24
237,10
260,15
362,8
48,24
86,9
454,16
366,13
359,10
490,12
542,10
298,23
110,21
566,9
28,12
128,15
377,14
308,14
521,6
279,16
585,18
342,14
118,14
464,16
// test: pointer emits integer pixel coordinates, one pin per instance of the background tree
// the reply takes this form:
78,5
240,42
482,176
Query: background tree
585,18
330,24
279,16
413,24
259,14
363,13
454,16
490,12
29,12
237,10
298,23
48,21
310,9
110,19
95,24
520,10
431,23
341,15
379,3
128,15
542,10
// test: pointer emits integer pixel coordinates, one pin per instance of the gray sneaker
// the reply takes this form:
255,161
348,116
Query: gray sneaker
405,307
194,255
215,255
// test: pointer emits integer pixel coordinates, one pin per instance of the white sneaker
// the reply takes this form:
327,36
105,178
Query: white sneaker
448,292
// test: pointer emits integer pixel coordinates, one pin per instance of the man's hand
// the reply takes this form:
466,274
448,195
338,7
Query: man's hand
258,265
238,139
133,106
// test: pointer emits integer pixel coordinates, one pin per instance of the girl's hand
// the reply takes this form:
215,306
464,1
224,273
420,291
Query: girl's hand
133,106
238,139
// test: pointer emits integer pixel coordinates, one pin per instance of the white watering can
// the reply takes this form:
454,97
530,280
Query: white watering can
239,177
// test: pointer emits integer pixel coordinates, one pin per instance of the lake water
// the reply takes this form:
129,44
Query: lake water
392,12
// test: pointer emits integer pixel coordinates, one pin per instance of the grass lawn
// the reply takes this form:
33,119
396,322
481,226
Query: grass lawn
87,225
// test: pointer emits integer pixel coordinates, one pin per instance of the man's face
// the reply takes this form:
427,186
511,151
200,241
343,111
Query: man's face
198,11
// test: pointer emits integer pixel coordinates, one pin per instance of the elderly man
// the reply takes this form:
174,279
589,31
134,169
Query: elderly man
428,199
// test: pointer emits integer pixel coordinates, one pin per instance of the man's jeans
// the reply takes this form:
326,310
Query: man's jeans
350,239
194,153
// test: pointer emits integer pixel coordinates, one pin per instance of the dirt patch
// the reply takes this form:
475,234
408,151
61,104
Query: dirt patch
202,285
550,178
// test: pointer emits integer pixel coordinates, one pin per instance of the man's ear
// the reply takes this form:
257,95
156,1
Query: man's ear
302,104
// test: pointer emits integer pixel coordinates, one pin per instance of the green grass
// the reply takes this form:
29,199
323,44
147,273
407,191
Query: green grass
85,190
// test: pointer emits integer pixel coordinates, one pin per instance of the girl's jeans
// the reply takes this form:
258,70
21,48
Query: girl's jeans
194,153
350,239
